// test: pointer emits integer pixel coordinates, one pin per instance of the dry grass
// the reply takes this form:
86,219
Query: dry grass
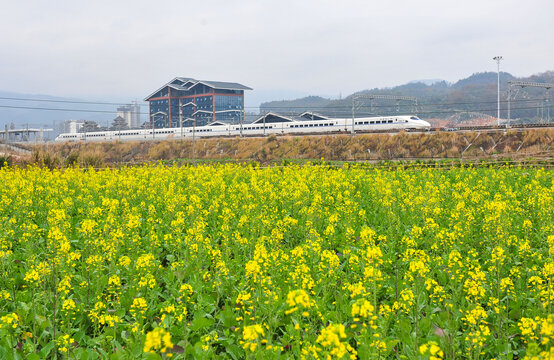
365,147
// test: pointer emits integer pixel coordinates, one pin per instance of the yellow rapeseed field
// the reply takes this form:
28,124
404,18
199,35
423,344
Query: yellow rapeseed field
313,262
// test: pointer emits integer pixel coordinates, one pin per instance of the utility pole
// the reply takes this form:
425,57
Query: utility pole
498,58
509,104
194,141
181,116
353,104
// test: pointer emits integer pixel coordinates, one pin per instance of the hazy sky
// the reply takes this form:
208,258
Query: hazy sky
127,49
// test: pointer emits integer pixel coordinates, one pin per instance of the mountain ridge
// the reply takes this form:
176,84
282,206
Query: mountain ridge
475,94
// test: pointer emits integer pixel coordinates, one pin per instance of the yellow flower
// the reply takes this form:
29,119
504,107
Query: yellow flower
10,321
158,340
139,307
331,337
298,299
432,351
362,308
250,336
63,342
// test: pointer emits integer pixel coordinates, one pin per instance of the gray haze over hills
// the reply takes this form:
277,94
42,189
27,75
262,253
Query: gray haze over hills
437,99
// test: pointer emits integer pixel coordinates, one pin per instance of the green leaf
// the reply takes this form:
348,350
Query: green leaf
201,323
45,351
234,351
151,356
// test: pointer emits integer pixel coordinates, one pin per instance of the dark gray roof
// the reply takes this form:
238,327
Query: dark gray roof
187,83
184,79
260,119
225,85
309,115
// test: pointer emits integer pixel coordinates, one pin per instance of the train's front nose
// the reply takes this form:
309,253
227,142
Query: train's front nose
425,123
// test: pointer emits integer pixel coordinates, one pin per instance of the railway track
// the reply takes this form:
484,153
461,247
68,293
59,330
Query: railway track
492,128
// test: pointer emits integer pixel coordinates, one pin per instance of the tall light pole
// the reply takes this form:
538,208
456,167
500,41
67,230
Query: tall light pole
498,58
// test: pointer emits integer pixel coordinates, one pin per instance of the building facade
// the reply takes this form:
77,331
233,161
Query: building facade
71,126
191,102
131,114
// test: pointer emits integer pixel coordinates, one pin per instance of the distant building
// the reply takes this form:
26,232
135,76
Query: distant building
119,123
131,114
91,126
71,126
197,102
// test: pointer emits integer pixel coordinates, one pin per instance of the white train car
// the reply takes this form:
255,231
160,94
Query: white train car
271,123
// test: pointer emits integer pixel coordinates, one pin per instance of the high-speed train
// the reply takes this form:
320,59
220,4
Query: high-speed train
266,125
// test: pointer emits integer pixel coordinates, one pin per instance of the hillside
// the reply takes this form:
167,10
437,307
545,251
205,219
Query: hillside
438,101
50,111
366,147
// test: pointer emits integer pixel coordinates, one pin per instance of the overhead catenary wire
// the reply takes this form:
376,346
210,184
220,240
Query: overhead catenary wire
344,106
289,113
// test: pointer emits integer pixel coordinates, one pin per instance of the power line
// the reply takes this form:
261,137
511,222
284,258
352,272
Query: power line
349,105
345,106
429,112
57,109
70,101
362,113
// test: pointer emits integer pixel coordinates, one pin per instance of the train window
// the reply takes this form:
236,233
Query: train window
390,121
